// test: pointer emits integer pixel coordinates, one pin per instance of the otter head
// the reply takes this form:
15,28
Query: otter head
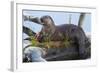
48,24
47,21
48,27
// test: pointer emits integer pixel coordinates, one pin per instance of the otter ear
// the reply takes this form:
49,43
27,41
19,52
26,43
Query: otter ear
32,19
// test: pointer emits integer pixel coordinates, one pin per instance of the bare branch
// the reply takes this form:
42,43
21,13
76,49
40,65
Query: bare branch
32,19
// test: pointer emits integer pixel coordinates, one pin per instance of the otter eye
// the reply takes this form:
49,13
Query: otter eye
44,24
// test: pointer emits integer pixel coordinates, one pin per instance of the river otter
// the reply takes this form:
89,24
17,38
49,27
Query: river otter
64,31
